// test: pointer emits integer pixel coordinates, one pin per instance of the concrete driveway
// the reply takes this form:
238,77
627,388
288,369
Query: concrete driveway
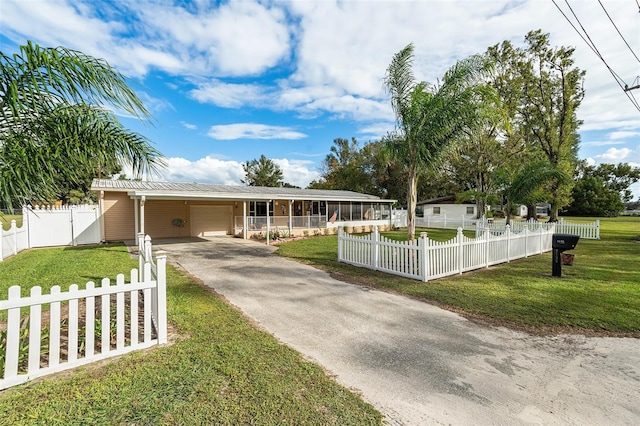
416,363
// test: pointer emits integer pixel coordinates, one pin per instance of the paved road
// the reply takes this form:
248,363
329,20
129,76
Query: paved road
416,363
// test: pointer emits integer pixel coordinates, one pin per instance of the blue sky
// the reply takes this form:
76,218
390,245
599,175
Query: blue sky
228,81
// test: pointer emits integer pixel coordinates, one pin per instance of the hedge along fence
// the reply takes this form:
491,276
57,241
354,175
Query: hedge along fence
111,320
425,259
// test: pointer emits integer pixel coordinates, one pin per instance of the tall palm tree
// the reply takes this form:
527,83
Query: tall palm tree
429,118
54,120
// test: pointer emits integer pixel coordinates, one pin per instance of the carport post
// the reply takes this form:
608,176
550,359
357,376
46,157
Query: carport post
244,220
290,219
268,227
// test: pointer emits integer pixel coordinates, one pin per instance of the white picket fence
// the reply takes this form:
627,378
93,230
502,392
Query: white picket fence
82,325
587,231
425,259
51,226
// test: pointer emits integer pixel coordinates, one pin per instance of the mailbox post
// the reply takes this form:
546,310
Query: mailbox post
560,243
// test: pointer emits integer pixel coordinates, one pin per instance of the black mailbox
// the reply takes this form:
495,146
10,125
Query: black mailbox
560,243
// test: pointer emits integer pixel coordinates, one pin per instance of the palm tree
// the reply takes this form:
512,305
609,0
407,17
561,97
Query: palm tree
54,121
527,186
429,118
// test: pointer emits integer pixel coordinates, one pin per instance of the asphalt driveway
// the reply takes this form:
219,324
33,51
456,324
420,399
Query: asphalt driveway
416,363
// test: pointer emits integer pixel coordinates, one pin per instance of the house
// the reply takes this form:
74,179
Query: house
446,207
168,209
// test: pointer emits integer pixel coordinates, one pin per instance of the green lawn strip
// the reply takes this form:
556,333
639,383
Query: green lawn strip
600,293
222,371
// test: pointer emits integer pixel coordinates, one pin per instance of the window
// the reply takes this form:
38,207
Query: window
436,210
259,208
470,210
419,211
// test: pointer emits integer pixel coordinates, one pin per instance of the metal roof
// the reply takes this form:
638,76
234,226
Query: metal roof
176,190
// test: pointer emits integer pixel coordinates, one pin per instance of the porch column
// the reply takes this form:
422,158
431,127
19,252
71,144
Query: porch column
103,237
268,225
142,213
136,216
244,220
290,219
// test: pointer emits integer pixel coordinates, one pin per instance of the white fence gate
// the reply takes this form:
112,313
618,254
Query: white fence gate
425,259
82,325
52,226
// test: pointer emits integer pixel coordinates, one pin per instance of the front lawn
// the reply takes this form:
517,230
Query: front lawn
221,371
599,294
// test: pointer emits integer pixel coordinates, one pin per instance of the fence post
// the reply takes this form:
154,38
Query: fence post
376,247
161,296
597,229
507,232
140,255
340,243
486,247
14,232
423,252
460,254
526,241
1,238
13,336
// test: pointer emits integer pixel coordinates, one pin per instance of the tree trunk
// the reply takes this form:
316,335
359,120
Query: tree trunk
481,206
411,205
531,212
553,213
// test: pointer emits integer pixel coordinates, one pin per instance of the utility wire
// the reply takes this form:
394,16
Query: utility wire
592,46
616,27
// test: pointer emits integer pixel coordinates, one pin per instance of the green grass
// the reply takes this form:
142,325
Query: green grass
600,293
223,370
6,219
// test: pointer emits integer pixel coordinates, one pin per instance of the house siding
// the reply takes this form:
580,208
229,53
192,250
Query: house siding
118,217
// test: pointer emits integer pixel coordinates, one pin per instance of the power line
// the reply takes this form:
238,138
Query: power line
616,27
593,47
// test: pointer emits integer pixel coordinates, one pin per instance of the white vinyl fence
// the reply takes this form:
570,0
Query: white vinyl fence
81,325
425,259
52,226
587,231
13,241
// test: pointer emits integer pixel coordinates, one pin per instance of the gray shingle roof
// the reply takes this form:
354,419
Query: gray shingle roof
201,190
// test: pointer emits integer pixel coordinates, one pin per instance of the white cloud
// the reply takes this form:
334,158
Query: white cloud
229,95
623,134
188,125
613,155
205,170
252,131
227,172
236,38
602,143
297,172
377,131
